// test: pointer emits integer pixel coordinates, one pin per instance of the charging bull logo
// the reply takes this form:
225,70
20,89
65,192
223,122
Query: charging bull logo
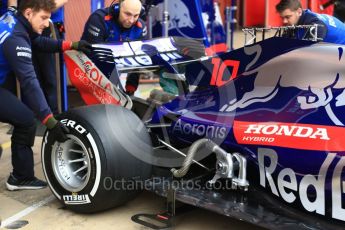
316,69
179,15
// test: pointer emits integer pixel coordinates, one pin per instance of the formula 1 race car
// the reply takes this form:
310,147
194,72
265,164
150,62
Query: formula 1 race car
254,133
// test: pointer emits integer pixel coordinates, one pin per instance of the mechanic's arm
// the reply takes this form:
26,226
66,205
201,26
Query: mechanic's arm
18,53
47,44
144,35
50,45
95,30
133,78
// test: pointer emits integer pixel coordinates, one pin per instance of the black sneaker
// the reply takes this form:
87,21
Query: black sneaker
15,184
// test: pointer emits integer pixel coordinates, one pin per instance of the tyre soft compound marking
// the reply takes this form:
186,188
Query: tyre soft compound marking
98,164
44,171
26,211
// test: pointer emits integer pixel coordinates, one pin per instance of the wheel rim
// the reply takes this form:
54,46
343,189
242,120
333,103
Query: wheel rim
71,164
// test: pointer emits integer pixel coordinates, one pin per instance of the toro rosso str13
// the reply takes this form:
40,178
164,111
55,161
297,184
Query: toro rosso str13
255,133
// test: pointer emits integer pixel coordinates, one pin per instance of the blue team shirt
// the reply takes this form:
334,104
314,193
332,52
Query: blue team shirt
102,27
330,29
16,40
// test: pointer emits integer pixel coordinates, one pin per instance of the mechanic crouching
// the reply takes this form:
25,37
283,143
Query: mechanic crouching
18,33
119,22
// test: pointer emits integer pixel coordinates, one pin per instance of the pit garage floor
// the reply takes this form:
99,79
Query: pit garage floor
41,210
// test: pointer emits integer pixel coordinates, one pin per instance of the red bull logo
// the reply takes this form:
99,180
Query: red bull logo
287,187
179,15
318,70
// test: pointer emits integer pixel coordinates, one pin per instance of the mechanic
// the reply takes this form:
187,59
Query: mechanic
44,62
18,33
119,22
330,29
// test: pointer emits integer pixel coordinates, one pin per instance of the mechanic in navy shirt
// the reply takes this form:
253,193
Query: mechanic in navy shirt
330,29
45,63
18,33
119,22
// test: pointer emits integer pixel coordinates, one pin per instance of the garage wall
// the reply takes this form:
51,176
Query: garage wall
272,17
108,2
76,14
253,13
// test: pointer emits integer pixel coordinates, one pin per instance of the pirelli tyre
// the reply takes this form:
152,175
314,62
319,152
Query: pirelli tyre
98,167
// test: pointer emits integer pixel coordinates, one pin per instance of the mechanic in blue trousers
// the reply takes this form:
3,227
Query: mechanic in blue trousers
330,29
119,22
18,33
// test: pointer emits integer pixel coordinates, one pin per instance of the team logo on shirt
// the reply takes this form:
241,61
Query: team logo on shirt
23,51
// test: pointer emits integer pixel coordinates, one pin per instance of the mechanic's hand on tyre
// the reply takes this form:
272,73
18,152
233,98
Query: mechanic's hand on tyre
82,46
57,130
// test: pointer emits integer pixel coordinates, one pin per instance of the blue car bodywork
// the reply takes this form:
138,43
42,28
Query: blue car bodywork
278,103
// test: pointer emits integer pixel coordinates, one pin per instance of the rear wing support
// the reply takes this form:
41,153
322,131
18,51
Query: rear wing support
251,34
